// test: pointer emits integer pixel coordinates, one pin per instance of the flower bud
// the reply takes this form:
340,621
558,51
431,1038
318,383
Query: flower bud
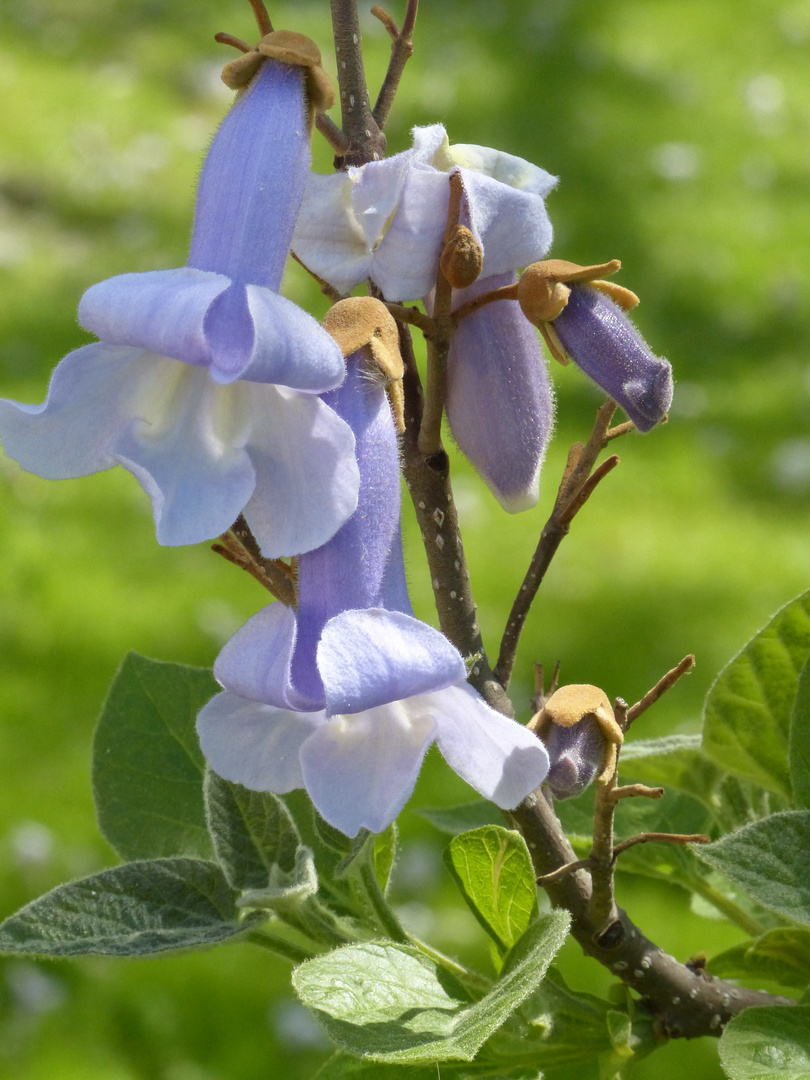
580,732
462,258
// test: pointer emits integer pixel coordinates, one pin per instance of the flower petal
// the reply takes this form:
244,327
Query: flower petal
501,166
370,657
499,402
607,346
497,756
162,311
307,477
360,770
407,258
329,240
512,225
253,744
256,662
89,399
185,444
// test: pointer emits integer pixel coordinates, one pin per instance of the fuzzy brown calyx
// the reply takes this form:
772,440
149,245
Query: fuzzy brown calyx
288,47
573,703
544,287
462,258
363,322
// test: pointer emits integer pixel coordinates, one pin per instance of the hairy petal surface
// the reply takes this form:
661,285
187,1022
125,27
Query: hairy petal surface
606,345
500,758
368,658
500,405
253,744
360,770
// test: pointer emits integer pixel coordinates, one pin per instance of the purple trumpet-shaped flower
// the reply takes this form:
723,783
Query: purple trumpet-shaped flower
499,403
345,696
602,341
583,317
204,382
386,220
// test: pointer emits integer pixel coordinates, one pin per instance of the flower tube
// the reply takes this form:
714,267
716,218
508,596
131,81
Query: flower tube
583,317
344,696
204,382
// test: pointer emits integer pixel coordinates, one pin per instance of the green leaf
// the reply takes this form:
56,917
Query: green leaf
555,1026
392,1003
140,907
747,714
767,1044
770,860
781,956
344,1067
799,743
493,869
147,764
463,816
385,850
252,831
286,892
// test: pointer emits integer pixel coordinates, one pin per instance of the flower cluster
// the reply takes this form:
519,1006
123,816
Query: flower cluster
224,399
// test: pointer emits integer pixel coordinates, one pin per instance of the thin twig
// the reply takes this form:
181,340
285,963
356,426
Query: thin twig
505,292
563,871
658,690
661,837
630,791
581,461
401,52
339,142
366,141
413,316
328,290
240,548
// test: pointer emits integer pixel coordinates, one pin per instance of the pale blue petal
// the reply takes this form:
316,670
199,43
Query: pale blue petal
290,348
512,226
307,477
92,395
501,166
500,758
255,663
185,444
253,744
499,401
360,770
162,311
328,237
407,259
371,657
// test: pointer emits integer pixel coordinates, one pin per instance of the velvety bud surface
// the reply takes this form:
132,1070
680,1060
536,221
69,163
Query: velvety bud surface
606,345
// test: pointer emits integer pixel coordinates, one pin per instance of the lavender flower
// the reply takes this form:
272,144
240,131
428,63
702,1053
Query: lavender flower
345,696
386,220
204,382
583,317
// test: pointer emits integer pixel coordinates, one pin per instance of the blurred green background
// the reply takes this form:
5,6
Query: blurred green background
680,130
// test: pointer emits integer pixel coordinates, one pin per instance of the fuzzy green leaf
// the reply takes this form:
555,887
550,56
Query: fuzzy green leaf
799,743
781,956
770,860
147,764
392,1003
493,869
748,710
767,1044
252,832
131,910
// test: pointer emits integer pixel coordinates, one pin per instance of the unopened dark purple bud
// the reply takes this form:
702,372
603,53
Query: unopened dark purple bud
601,340
576,754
